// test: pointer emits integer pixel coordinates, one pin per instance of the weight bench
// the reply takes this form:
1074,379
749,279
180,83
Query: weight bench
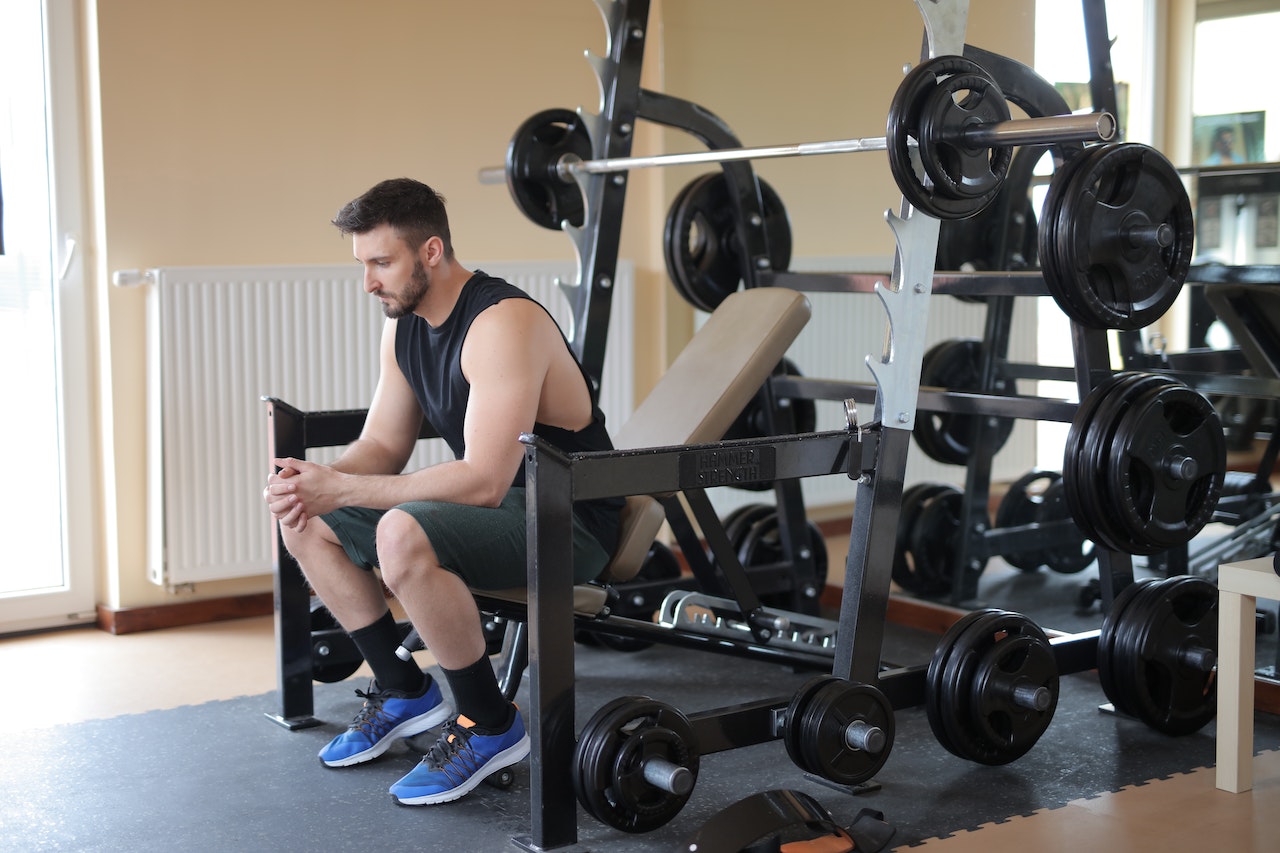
711,381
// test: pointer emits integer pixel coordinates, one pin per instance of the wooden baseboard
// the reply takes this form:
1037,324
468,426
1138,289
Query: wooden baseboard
129,620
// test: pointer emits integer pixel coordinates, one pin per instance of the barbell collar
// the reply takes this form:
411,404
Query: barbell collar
1047,130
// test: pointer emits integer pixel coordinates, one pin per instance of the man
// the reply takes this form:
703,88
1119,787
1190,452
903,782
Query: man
483,362
1222,150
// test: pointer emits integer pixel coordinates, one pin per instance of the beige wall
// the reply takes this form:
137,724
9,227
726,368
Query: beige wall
232,130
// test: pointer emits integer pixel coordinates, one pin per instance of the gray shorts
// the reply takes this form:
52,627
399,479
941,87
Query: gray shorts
485,546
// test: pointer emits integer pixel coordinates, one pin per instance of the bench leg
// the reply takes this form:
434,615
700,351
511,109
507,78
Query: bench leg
1235,691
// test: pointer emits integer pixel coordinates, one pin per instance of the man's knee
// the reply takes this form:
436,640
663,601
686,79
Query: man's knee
298,542
403,548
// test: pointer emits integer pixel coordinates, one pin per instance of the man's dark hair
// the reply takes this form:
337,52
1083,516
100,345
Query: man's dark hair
411,207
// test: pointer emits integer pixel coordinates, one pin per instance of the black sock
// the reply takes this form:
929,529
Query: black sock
378,643
478,697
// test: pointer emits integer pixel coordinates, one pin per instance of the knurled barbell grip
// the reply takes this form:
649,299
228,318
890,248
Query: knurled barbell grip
1047,130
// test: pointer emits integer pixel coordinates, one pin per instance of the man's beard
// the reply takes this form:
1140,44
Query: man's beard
407,302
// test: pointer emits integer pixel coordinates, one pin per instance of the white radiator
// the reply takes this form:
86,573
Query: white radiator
221,338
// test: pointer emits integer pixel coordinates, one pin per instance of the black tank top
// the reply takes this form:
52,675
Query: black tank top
431,360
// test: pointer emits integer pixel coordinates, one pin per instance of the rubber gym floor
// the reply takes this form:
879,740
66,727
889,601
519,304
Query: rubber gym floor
158,741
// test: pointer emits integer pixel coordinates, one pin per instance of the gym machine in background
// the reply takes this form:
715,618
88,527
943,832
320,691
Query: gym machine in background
1115,256
992,684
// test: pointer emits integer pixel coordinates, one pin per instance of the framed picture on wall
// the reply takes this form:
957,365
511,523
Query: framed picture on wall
1221,140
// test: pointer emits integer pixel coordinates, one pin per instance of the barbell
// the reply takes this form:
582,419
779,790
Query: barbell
1021,131
948,140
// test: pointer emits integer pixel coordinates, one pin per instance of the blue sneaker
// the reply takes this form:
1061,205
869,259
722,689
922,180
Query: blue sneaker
386,715
459,761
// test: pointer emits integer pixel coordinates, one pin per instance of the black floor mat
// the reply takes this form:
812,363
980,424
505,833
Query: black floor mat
221,776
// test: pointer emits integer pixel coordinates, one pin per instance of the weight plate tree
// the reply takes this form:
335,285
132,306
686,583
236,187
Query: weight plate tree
635,764
1157,651
700,240
991,687
1144,463
1116,236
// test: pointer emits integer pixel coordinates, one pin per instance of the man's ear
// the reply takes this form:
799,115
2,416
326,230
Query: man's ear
431,252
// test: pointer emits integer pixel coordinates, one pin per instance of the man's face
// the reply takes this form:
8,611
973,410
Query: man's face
392,271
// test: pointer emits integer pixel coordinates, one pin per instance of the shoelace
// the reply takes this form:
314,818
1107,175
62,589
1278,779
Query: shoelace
370,718
454,743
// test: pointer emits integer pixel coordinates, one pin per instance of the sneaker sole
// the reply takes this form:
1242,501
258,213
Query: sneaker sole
511,755
409,728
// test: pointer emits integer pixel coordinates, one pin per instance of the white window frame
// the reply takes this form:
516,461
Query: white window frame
74,602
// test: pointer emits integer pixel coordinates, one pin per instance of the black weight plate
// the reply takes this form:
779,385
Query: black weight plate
1054,221
912,498
953,681
1002,728
1120,280
932,541
937,701
1169,695
1108,423
958,169
532,156
700,241
1084,455
740,521
753,423
829,714
328,673
762,546
926,434
1077,552
609,762
1112,621
1021,505
904,126
947,436
1157,509
793,730
981,721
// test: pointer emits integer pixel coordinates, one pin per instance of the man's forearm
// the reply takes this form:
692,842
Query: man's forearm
364,456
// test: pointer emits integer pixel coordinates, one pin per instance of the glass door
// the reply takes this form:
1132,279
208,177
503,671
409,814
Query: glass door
46,576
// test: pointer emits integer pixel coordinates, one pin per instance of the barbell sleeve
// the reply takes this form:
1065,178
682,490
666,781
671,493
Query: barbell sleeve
1047,130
